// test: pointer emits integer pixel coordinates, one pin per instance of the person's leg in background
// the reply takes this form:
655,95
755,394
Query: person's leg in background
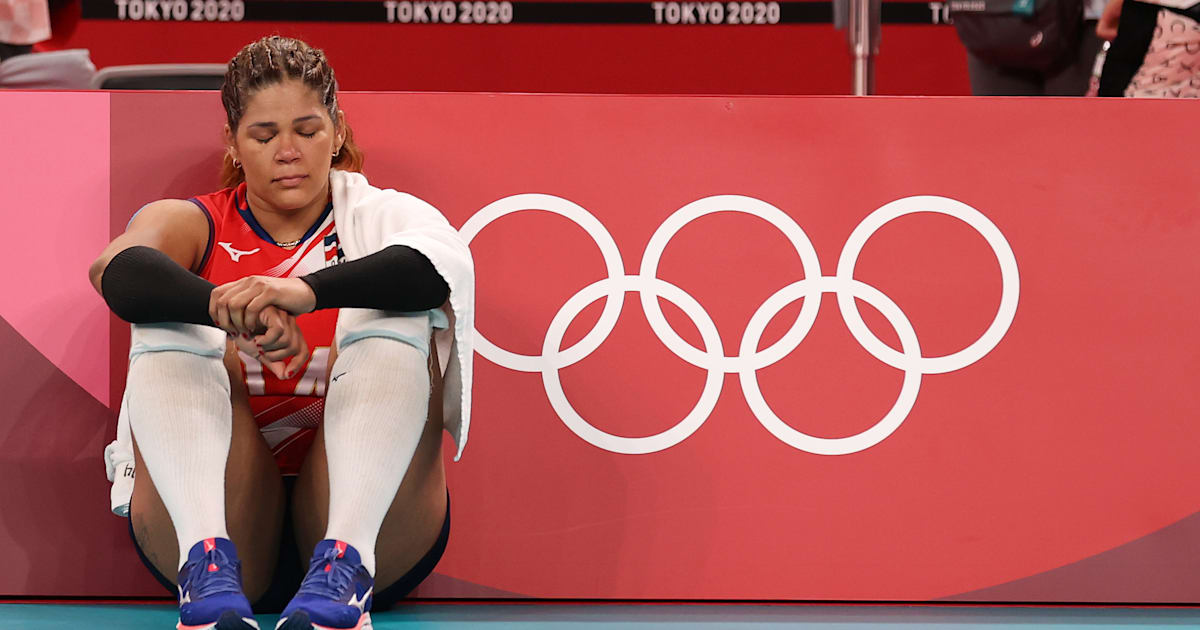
1134,33
1072,78
991,80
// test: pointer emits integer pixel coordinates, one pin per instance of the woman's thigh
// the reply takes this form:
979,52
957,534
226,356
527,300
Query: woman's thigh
414,520
254,499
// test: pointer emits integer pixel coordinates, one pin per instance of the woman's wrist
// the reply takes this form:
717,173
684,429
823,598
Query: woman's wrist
305,295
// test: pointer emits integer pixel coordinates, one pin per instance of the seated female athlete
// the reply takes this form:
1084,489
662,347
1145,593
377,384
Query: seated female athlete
284,387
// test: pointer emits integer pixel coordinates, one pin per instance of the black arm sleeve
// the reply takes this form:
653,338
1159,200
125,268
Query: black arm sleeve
143,286
396,278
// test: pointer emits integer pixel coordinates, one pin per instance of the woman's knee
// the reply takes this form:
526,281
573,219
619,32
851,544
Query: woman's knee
384,353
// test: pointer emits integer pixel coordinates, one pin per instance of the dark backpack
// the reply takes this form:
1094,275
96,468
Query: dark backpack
1019,34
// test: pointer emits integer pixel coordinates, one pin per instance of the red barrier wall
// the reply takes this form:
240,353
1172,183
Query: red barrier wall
1056,463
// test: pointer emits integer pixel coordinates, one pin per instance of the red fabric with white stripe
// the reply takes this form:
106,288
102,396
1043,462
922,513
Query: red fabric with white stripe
287,411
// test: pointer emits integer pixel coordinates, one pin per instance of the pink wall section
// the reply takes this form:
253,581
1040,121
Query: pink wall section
55,195
54,336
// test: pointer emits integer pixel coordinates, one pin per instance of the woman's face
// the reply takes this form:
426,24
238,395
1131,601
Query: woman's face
285,141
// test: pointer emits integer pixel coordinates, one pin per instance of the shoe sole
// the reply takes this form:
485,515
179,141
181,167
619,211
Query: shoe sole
228,621
300,621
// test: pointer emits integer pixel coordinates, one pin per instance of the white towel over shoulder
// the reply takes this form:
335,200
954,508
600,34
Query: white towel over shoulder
369,219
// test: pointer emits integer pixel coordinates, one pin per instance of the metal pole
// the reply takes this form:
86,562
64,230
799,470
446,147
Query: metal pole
863,36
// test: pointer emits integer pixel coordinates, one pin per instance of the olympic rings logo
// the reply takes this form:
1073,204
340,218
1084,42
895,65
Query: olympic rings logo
748,360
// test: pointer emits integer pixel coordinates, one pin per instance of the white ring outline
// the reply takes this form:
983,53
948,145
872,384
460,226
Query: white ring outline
612,262
831,446
749,360
756,208
615,443
1009,293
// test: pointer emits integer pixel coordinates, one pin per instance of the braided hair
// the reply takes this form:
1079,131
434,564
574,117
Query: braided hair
272,60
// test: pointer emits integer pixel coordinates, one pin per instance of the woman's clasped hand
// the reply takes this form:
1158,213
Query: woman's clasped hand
259,314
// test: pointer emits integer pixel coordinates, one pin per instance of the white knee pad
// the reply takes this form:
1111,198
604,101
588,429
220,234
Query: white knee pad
205,341
380,361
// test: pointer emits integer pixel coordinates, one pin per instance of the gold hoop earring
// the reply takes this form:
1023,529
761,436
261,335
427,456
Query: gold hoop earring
236,163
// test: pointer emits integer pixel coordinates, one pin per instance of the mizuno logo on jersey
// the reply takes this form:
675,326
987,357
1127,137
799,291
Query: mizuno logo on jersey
236,254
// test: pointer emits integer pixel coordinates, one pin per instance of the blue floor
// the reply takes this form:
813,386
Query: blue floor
646,617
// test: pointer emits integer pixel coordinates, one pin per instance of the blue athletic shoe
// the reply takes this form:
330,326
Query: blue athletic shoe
210,589
335,595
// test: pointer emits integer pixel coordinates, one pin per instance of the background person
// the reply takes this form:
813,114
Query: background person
1068,73
24,23
1155,50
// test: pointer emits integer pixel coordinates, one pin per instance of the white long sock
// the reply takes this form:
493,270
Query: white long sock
181,418
375,412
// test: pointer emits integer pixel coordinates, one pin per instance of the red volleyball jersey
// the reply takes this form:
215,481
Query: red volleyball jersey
287,411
